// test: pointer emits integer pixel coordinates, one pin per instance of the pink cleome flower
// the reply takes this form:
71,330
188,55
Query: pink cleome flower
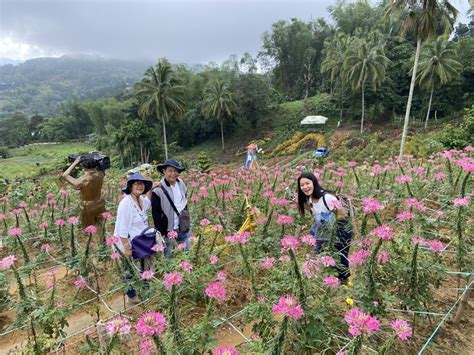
113,239
225,350
404,216
284,220
118,325
73,220
331,281
383,257
7,262
327,261
216,290
402,329
90,229
308,239
461,201
358,258
43,225
151,323
360,322
384,232
204,222
371,205
289,307
436,246
106,215
289,242
80,283
172,234
147,275
60,222
213,259
45,247
171,279
186,266
267,263
14,232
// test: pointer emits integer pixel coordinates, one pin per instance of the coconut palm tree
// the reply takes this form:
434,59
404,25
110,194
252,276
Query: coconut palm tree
365,65
218,103
333,62
423,18
161,94
437,67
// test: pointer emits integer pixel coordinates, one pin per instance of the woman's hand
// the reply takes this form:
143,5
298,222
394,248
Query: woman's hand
127,249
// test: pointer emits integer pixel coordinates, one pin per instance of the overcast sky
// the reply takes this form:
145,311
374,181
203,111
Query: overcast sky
190,31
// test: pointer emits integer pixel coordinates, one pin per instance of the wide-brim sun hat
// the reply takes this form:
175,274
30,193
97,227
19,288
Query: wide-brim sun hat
170,162
137,177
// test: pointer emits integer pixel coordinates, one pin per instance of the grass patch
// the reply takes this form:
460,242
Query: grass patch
37,159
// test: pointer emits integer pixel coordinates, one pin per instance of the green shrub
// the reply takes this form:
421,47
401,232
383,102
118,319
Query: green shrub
4,153
462,135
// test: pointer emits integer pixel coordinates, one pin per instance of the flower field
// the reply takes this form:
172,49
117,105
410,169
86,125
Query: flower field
252,267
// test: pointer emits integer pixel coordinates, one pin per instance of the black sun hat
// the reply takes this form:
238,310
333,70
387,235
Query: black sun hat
137,177
170,162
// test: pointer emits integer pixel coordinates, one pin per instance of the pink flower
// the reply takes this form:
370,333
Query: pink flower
371,205
213,259
186,266
402,329
147,275
45,247
203,192
22,204
171,279
106,215
308,239
182,246
216,290
151,323
194,198
267,263
14,232
80,283
360,322
90,229
288,307
358,258
310,267
204,222
384,232
158,248
327,261
403,179
115,255
352,164
15,212
7,262
418,240
221,276
73,220
113,239
405,215
172,234
43,225
225,350
289,242
461,201
439,176
383,257
331,281
60,222
436,246
118,325
217,228
284,220
147,346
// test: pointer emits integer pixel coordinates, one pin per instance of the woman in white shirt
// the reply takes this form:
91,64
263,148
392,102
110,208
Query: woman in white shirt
327,213
132,219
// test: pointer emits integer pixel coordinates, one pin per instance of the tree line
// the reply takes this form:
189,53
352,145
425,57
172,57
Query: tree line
378,62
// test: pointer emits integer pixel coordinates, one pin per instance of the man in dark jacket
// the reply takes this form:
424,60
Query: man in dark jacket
167,201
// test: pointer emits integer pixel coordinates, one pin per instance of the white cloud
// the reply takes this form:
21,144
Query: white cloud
9,48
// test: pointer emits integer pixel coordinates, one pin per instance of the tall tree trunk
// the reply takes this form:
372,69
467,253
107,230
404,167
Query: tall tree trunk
410,97
363,110
429,105
222,133
164,137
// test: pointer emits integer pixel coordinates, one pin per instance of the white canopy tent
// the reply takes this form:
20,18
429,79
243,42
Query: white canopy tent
314,120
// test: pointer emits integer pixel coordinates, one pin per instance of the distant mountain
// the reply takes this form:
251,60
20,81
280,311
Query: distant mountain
39,86
5,61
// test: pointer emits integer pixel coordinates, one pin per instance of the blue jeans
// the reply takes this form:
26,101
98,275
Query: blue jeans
182,238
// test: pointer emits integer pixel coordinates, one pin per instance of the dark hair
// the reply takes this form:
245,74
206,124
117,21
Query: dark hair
318,191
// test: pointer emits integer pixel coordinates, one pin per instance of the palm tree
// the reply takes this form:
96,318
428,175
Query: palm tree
160,93
365,65
218,103
421,16
334,61
437,67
